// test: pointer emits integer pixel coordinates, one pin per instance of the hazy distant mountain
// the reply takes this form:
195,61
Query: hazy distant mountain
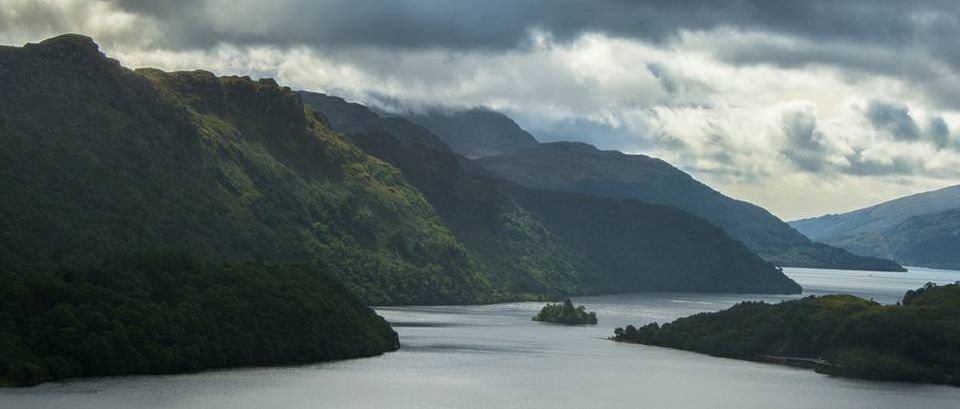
534,241
879,217
100,160
477,132
579,167
351,118
921,229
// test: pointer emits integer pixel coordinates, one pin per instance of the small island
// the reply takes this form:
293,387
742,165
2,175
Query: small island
916,340
567,314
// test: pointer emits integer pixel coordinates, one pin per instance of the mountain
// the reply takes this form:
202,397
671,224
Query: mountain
579,167
477,132
169,313
927,240
913,341
920,229
99,160
352,118
532,241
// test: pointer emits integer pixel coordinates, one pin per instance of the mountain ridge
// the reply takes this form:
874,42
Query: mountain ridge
527,238
101,160
469,131
919,229
580,167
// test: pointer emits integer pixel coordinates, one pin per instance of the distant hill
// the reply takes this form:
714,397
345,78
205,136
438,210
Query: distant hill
352,118
477,132
100,160
920,229
579,167
931,240
879,217
533,241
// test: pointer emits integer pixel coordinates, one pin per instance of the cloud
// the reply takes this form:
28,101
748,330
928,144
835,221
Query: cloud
761,99
804,142
939,132
504,24
894,120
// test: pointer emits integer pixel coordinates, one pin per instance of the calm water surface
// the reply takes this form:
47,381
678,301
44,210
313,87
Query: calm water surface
495,357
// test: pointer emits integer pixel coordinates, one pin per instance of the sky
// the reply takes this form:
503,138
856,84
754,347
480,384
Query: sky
802,107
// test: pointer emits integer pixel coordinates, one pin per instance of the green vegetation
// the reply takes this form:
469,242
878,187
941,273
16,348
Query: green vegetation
565,313
99,160
530,243
582,168
917,340
167,313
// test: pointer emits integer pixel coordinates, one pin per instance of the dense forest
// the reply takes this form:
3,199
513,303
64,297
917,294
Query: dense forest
100,160
165,312
565,313
917,340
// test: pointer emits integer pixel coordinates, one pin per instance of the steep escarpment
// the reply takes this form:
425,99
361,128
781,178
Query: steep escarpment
100,160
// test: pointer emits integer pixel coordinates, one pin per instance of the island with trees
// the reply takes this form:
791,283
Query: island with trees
566,313
916,340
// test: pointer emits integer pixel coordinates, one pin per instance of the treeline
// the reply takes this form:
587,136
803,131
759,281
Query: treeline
166,312
566,313
917,340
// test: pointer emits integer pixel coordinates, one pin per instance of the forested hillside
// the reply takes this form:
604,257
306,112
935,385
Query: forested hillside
917,340
168,313
555,243
100,160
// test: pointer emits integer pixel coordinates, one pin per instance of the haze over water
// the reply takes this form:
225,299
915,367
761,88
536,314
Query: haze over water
494,357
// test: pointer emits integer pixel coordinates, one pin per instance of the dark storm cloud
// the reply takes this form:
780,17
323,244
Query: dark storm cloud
503,24
804,142
894,119
867,59
939,132
667,81
895,165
